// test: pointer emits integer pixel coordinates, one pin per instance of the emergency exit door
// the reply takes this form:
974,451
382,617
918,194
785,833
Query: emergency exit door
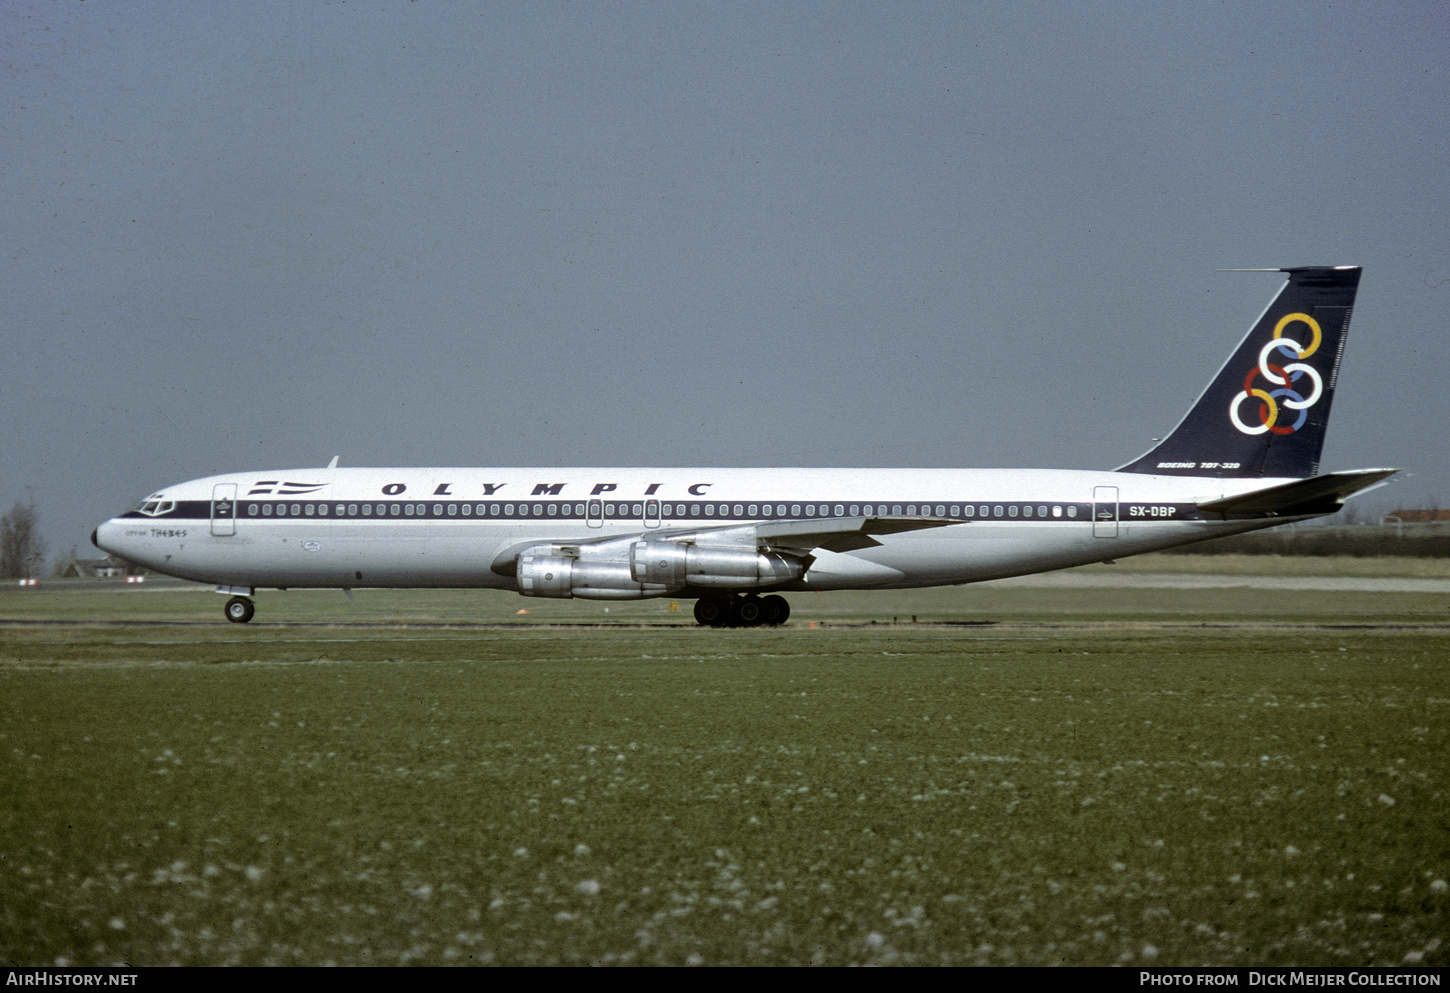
1105,511
224,509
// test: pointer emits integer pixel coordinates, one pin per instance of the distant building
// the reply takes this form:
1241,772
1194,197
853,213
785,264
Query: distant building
1409,521
77,568
1418,516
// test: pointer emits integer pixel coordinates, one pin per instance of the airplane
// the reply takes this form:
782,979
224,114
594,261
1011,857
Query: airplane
1245,457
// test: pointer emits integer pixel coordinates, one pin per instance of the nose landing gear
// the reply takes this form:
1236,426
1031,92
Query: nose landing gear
746,611
239,610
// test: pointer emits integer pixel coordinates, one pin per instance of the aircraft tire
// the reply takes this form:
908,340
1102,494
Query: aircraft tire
239,610
748,612
774,610
712,611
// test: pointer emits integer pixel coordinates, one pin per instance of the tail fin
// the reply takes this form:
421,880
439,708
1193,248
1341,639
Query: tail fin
1266,411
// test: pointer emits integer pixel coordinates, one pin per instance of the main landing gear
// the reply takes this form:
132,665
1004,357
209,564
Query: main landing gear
741,611
239,610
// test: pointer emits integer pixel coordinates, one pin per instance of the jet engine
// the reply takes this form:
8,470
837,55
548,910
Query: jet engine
718,567
648,569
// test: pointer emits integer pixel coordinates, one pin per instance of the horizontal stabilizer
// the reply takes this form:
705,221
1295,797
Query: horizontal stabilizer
1319,495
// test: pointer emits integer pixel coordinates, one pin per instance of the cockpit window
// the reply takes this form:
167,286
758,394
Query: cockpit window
156,504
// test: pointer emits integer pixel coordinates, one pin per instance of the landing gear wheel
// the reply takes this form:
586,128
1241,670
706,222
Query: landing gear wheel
712,611
741,611
748,612
239,610
774,610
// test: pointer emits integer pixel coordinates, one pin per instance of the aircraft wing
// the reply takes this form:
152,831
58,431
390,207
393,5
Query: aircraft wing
796,534
839,534
795,537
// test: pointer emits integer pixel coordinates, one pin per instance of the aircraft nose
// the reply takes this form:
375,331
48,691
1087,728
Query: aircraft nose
104,537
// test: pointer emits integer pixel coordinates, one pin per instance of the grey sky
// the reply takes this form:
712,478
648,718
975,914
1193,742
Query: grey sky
260,235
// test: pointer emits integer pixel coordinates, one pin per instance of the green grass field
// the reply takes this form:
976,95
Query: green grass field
1053,776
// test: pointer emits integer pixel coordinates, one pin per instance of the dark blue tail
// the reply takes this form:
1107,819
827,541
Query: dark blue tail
1266,411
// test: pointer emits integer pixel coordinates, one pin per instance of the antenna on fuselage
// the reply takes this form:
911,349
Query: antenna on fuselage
333,463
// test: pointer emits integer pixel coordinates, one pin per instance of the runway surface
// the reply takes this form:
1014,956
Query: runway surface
1190,581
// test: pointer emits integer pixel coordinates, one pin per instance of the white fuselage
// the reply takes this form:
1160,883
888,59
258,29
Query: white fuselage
439,527
1245,456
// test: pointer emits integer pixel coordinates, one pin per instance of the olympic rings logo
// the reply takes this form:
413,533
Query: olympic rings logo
1291,379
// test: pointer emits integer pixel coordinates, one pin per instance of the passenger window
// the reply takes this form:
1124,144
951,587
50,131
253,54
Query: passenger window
367,510
453,510
1012,511
1071,511
1056,511
508,510
709,510
941,511
997,510
739,510
638,509
956,511
252,510
538,510
752,510
1027,511
1041,511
